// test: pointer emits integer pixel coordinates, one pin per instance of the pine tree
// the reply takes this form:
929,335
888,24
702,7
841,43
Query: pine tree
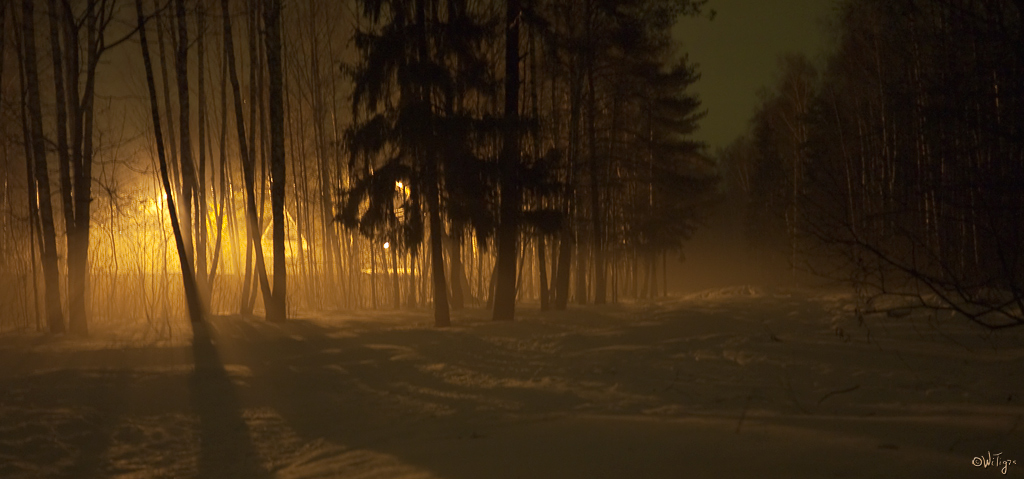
416,58
509,182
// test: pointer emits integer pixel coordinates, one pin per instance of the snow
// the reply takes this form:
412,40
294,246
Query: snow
733,382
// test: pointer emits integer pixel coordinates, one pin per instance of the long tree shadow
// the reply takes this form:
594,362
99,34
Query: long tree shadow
226,449
370,387
76,412
29,442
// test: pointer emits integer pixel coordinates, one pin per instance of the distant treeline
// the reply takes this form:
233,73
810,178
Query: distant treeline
898,164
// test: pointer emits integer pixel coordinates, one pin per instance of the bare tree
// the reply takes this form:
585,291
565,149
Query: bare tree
51,275
191,291
247,161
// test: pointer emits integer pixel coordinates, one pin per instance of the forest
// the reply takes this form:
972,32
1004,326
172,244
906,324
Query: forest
505,152
436,239
415,153
896,165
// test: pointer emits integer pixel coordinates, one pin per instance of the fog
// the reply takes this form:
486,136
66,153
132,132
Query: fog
453,239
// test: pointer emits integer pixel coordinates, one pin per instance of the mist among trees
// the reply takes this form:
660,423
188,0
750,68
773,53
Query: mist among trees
426,239
895,166
454,153
344,155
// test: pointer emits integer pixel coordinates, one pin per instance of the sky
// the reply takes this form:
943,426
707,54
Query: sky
738,53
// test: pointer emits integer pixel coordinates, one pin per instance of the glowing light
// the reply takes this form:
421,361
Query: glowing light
387,245
401,188
158,204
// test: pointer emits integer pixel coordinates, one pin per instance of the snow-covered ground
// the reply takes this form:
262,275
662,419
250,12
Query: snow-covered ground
737,382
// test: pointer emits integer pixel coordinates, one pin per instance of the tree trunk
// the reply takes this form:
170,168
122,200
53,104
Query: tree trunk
412,301
457,273
222,183
75,265
562,277
432,180
441,313
395,286
646,264
51,274
508,168
582,271
535,110
188,175
277,310
191,292
542,266
247,163
600,277
373,278
33,205
201,205
664,273
244,307
81,162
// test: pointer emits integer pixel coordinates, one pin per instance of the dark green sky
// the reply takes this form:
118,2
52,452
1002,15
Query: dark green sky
738,54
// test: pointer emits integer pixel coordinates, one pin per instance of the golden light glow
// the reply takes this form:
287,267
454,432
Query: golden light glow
402,188
387,245
293,241
156,205
401,271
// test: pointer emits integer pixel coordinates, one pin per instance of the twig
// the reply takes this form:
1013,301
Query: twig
791,394
838,391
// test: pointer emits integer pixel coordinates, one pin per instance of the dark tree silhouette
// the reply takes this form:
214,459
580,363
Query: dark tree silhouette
901,168
51,275
416,58
508,181
248,168
277,309
195,309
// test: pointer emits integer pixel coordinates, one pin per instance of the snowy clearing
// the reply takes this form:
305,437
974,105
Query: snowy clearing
737,382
